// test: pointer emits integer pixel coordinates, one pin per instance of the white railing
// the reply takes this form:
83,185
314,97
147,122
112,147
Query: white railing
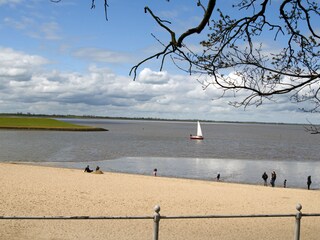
157,217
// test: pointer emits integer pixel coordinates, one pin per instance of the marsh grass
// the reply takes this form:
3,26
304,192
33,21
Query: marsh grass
42,124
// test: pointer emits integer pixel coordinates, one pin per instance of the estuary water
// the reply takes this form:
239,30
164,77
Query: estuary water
239,152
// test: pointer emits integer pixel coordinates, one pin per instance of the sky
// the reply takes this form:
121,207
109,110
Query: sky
65,58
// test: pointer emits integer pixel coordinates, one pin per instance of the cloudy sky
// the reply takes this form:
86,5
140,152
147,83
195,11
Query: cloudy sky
65,58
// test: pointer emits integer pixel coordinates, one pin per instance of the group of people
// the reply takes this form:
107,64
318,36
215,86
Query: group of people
97,171
274,177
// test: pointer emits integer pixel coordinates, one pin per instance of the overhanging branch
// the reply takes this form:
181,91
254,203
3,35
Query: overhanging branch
174,44
202,24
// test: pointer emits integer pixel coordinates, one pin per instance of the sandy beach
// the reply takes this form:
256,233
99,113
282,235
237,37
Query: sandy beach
46,191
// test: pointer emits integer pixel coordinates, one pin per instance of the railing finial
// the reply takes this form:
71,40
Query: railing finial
156,208
299,207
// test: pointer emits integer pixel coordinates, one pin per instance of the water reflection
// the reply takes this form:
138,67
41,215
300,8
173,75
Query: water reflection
231,170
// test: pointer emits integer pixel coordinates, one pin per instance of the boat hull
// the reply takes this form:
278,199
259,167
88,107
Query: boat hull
196,137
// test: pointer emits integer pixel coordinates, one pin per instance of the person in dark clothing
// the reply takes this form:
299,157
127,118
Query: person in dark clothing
218,177
265,178
309,182
285,183
273,178
87,169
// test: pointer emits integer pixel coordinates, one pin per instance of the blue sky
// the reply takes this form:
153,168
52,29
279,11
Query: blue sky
65,58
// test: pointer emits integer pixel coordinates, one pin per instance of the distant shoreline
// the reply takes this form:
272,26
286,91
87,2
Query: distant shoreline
136,118
89,129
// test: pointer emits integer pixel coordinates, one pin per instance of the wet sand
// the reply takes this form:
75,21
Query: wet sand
46,191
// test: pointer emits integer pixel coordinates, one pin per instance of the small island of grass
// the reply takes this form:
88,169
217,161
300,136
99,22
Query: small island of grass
31,123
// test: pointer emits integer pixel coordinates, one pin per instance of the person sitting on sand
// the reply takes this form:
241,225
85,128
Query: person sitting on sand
98,171
87,169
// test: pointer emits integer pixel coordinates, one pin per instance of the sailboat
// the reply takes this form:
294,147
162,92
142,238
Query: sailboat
199,133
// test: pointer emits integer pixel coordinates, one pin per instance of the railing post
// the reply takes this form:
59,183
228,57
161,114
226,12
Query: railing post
298,220
156,221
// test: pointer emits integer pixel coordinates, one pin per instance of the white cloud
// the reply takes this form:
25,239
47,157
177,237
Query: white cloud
50,30
12,58
20,24
17,65
151,77
102,55
26,86
10,2
98,87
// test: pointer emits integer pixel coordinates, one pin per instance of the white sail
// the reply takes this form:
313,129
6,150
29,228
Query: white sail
199,131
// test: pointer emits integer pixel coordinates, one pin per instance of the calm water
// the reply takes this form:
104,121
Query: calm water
240,152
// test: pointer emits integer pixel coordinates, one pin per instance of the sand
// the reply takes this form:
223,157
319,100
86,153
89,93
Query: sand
46,191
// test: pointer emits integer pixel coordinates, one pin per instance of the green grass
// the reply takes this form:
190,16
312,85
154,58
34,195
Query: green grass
41,123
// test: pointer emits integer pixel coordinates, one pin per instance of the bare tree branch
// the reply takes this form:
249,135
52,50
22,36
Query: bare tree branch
202,24
173,46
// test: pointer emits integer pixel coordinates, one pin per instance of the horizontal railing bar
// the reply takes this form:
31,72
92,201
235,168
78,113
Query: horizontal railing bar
71,217
310,214
150,217
229,216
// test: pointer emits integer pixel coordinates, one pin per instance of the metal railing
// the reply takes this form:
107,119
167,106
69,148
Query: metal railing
157,217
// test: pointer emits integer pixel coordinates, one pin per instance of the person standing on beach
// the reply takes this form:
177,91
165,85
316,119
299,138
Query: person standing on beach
155,172
218,176
309,182
265,178
285,183
273,178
